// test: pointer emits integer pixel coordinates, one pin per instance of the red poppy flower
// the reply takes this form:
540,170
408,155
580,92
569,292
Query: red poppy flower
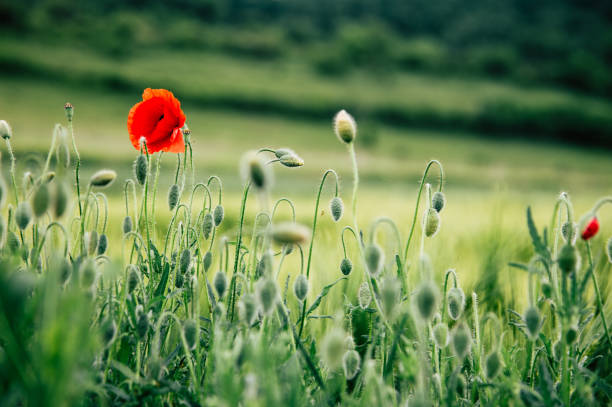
158,118
591,229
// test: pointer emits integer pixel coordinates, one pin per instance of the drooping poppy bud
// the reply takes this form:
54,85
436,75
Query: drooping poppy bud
103,178
300,287
591,229
350,364
346,266
336,207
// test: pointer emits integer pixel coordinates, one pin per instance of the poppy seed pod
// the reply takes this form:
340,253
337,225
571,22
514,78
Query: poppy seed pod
432,222
23,215
493,365
40,200
290,233
69,110
350,364
5,130
336,207
291,160
190,330
591,229
173,196
427,300
345,127
609,249
127,224
207,225
248,309
109,331
207,261
218,215
300,287
456,302
374,259
140,169
92,242
346,266
440,335
438,200
103,178
332,348
568,258
185,261
102,244
61,199
461,340
133,278
569,231
220,283
267,295
364,295
532,322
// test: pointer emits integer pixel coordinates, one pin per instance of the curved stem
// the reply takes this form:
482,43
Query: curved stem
238,245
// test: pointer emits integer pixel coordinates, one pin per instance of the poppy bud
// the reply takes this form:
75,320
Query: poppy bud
61,199
102,244
40,200
179,280
346,266
336,207
142,322
300,287
432,222
569,232
364,295
69,110
591,229
103,178
345,127
374,259
493,364
568,258
140,169
609,249
332,348
207,261
190,330
220,283
5,130
92,242
350,364
291,160
265,264
133,278
461,340
290,233
283,151
572,334
87,273
438,200
185,261
218,215
389,294
254,170
267,295
440,335
427,300
456,302
207,225
109,331
173,196
65,270
248,309
127,224
23,215
532,322
546,289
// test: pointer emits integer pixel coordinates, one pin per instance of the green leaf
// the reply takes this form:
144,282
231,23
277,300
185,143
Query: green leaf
538,244
324,292
161,287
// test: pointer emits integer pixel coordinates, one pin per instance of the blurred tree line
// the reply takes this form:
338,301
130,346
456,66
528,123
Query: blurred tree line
562,42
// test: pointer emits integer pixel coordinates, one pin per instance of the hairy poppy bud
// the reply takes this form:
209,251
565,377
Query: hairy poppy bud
568,258
248,309
461,340
87,273
40,200
127,224
346,266
92,242
336,207
140,169
173,196
440,335
571,334
5,130
374,259
190,330
493,365
265,264
569,232
23,215
207,225
218,215
69,110
103,178
290,233
185,261
300,287
432,222
179,280
220,283
109,331
456,302
279,152
61,199
427,300
291,160
345,127
65,270
438,200
267,295
532,322
133,278
364,296
142,322
546,289
609,249
102,244
591,229
332,348
254,170
350,364
207,261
